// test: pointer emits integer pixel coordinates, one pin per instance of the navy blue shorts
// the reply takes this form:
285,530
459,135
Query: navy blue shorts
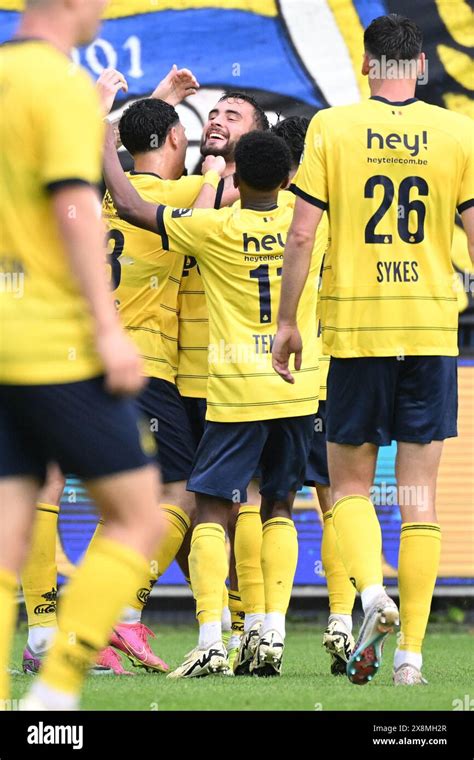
383,399
196,411
162,405
229,452
317,468
86,430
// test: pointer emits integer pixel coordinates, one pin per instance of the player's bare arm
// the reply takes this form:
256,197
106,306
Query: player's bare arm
296,263
129,205
108,85
177,85
83,234
467,218
231,193
213,168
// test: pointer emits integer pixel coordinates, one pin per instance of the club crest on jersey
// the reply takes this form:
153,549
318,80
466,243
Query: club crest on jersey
178,213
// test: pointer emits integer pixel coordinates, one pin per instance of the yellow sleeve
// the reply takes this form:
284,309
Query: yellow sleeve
183,230
466,191
310,181
180,193
71,130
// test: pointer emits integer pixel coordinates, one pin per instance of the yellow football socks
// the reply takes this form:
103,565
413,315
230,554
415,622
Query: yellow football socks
359,540
340,590
94,599
248,553
8,607
208,567
279,558
418,561
39,575
237,613
177,523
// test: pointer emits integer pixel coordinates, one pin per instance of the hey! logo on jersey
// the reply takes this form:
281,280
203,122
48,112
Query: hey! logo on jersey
394,141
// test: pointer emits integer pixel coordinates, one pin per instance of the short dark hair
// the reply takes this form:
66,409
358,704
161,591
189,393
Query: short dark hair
396,37
262,160
260,117
145,124
293,131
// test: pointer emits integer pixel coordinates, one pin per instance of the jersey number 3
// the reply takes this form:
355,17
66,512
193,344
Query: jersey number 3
113,257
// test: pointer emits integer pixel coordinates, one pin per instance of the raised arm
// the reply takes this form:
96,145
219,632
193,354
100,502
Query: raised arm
296,264
176,86
130,206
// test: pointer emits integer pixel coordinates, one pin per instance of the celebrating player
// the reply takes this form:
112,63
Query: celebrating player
234,114
145,282
249,420
64,356
389,320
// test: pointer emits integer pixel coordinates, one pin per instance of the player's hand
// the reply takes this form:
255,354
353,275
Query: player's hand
108,85
214,164
287,341
123,367
177,85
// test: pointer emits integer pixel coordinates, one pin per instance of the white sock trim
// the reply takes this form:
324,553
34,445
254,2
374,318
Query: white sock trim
346,619
40,638
209,633
274,621
252,619
403,657
131,615
369,595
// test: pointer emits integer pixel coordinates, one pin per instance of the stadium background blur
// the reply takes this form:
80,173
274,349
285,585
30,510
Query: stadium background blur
281,52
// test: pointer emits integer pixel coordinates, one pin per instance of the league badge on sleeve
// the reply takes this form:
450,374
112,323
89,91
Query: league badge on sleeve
178,213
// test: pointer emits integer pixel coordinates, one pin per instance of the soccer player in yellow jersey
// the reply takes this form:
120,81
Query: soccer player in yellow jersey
392,171
250,421
337,638
39,576
248,537
145,281
64,357
234,114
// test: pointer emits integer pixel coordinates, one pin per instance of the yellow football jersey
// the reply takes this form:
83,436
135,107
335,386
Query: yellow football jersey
194,320
145,279
193,323
323,360
392,175
240,255
51,133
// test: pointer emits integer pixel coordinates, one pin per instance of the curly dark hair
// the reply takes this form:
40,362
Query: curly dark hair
145,124
262,160
293,131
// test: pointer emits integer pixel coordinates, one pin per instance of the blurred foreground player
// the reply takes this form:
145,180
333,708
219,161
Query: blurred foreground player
65,362
389,321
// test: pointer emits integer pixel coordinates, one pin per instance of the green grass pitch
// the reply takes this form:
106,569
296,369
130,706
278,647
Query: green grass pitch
306,683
